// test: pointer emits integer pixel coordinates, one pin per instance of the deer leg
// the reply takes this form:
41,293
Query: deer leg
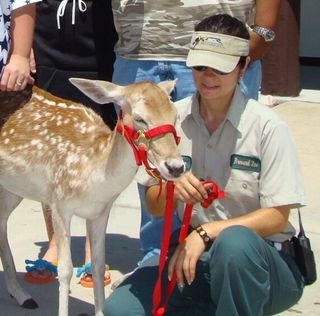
97,230
62,232
8,202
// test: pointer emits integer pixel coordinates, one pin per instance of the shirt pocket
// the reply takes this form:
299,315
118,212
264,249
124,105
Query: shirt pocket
242,191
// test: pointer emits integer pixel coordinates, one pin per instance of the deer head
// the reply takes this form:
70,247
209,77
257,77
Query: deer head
145,106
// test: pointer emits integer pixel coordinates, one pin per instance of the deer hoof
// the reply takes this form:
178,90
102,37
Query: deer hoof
30,304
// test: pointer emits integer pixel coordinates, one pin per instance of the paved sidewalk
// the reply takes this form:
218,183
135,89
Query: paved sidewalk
27,234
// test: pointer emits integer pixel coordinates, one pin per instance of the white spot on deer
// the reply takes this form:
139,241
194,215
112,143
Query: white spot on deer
73,172
36,116
53,141
81,127
84,159
49,102
35,142
38,97
39,146
72,159
11,131
43,132
63,105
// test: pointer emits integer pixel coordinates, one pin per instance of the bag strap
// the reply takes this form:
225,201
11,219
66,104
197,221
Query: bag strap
302,235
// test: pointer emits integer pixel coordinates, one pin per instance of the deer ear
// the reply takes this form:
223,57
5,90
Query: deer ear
99,91
167,86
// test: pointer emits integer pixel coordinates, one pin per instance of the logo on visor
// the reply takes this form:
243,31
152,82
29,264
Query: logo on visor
205,40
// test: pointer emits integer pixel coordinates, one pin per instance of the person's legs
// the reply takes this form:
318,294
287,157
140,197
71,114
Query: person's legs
134,296
127,71
251,80
185,85
137,292
51,254
247,276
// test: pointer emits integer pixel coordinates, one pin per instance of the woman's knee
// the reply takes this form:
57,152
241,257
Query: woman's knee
236,244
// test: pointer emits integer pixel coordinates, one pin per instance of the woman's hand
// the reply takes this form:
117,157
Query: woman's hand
185,258
190,190
16,74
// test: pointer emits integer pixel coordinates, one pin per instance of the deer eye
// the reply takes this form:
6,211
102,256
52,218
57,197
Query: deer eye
139,120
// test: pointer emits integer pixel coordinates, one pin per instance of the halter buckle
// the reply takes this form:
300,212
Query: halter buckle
142,139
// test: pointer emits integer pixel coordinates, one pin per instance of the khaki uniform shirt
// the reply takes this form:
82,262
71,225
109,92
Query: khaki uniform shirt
251,156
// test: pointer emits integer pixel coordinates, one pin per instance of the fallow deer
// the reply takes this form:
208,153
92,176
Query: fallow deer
61,153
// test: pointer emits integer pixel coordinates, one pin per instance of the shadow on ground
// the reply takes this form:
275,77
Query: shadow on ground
122,252
45,295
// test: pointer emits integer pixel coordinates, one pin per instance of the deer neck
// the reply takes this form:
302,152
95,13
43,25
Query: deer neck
121,159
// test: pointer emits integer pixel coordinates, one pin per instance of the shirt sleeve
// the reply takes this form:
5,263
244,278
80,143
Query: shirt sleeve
281,181
20,3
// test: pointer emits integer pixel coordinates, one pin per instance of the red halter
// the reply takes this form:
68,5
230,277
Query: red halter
140,142
159,304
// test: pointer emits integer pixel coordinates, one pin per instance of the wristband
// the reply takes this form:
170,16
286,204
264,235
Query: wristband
203,234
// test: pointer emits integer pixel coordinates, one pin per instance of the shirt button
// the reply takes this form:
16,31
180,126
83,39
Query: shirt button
244,185
209,146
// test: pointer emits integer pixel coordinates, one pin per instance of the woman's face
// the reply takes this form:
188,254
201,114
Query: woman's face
213,85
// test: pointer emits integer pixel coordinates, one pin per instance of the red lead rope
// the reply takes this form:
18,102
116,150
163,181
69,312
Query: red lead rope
215,193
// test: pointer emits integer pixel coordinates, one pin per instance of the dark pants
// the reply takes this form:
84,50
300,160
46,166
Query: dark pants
239,275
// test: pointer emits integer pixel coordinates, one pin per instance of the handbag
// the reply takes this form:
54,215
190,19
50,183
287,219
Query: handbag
304,256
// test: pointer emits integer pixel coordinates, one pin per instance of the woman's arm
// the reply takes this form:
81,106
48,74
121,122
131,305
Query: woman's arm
16,72
264,221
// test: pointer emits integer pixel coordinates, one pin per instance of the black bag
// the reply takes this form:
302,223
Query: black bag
304,256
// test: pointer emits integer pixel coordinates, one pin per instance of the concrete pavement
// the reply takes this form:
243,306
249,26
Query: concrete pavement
27,234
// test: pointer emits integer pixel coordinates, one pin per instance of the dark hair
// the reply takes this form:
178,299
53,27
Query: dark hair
225,24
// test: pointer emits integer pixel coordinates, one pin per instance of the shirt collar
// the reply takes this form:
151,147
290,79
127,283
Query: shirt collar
236,109
237,106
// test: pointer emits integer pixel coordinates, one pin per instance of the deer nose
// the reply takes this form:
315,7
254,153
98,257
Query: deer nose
175,170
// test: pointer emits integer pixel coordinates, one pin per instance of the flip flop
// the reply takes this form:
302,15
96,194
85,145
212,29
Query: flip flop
40,271
85,275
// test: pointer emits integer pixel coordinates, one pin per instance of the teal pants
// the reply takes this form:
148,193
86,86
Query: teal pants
240,274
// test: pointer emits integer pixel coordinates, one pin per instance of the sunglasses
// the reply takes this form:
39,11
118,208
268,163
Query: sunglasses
204,68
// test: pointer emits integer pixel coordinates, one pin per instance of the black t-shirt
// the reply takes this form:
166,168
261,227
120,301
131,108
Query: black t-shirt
83,50
76,47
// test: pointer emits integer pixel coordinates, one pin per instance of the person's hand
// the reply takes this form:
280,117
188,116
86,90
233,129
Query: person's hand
185,258
190,190
16,74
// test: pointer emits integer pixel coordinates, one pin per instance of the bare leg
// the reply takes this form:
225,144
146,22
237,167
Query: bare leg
51,254
87,251
86,278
